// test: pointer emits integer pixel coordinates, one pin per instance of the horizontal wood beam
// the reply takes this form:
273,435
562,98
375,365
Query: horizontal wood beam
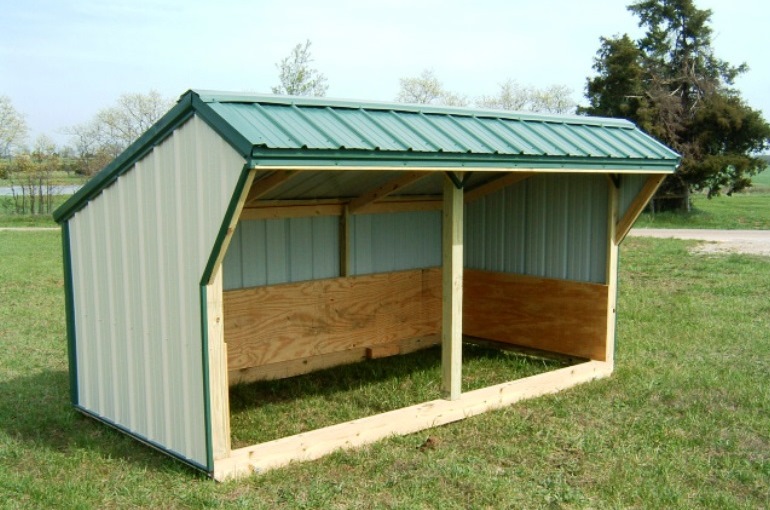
291,211
317,443
272,209
637,206
496,184
266,184
357,205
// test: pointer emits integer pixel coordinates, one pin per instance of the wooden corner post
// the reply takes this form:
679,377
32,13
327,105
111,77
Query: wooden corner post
218,384
452,290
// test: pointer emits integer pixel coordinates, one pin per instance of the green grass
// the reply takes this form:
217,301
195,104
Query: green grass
683,423
739,211
9,218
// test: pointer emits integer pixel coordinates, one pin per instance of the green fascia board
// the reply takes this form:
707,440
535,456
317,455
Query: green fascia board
455,161
180,113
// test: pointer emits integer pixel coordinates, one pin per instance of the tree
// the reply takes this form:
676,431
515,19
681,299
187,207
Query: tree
31,177
113,129
512,96
13,128
297,77
427,89
673,86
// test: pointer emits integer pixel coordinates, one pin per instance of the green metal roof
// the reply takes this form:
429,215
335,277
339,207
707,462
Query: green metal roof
318,132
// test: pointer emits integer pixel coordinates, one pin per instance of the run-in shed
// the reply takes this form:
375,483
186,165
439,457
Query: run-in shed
249,237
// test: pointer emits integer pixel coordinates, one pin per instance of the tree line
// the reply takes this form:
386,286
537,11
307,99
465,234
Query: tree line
669,82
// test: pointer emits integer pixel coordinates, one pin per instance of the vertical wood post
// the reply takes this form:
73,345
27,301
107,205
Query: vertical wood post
345,242
452,291
612,271
218,383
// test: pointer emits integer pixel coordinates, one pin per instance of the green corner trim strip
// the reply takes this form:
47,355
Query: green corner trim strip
69,307
205,279
206,374
179,114
149,442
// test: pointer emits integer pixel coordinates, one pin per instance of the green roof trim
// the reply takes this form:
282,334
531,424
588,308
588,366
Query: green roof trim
272,130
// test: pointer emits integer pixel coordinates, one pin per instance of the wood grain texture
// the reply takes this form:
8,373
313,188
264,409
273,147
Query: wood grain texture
272,324
317,443
553,315
218,384
301,366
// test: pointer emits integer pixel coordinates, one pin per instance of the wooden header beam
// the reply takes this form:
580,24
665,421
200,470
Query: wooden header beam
357,205
496,184
265,185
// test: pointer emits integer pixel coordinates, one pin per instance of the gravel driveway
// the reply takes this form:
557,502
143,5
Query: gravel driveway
755,242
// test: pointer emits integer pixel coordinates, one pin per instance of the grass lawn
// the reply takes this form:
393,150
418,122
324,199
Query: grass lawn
749,210
683,423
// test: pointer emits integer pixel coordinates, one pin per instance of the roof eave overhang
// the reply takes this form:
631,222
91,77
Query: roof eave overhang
362,160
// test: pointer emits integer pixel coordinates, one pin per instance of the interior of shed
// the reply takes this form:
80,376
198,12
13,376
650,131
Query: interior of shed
315,277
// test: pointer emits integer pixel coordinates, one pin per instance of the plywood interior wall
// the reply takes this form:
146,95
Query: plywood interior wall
282,330
553,315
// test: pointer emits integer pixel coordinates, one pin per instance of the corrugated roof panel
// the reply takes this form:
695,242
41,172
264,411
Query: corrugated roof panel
310,125
403,131
575,145
522,145
299,128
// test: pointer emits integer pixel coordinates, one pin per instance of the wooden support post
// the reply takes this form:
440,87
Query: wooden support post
637,206
218,384
452,291
345,242
612,272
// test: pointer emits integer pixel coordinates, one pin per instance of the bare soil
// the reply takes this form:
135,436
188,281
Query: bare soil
754,242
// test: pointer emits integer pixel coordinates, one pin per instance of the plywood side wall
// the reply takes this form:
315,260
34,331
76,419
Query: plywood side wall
553,315
327,322
280,323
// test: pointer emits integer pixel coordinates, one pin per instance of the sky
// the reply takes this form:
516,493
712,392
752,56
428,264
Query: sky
61,61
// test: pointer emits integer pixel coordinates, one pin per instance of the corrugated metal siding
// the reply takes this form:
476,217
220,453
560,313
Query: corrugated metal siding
271,124
139,250
630,186
395,242
553,226
264,252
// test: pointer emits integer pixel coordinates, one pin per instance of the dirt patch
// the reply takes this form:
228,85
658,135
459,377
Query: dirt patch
753,242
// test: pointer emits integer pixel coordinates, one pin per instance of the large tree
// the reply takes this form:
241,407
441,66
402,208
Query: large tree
13,128
673,86
297,77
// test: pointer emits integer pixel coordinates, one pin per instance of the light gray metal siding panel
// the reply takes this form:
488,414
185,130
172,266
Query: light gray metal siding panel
266,252
395,241
630,186
139,250
552,225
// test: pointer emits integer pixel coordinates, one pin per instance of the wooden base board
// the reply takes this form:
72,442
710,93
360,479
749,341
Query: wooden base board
312,363
317,443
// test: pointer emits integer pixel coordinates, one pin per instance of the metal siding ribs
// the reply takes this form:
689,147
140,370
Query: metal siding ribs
320,128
